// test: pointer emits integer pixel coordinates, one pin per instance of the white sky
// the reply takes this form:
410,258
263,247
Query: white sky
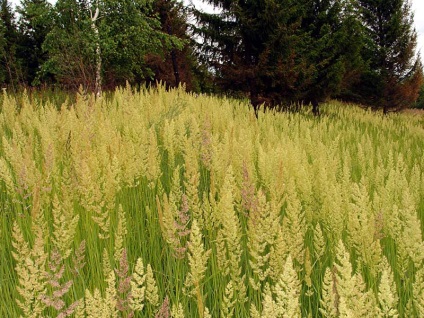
417,7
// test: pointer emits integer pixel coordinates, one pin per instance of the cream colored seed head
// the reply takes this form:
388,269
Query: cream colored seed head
151,293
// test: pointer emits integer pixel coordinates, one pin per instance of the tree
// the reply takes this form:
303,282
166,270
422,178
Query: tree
256,48
35,22
420,101
110,38
129,31
283,52
94,16
335,38
394,77
3,43
10,71
71,46
174,64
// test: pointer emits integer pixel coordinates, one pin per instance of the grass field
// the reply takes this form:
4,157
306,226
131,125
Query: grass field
164,204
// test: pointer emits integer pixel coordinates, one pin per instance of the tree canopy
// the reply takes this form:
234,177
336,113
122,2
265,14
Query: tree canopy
10,72
280,53
394,76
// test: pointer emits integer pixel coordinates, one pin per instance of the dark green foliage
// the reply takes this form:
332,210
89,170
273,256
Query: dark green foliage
59,45
420,101
334,44
2,50
255,47
275,52
35,22
281,52
394,77
174,65
129,30
70,46
10,70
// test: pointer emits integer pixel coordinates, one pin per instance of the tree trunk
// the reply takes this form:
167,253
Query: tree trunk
174,61
98,84
9,70
385,110
315,107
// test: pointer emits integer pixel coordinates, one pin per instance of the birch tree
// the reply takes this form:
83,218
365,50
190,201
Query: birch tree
94,17
103,43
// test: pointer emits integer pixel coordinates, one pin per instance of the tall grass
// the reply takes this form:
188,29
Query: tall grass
165,204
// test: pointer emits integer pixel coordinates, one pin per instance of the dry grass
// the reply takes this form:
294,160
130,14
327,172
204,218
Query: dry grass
163,204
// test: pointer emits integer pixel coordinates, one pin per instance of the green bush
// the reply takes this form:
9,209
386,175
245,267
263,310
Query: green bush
420,101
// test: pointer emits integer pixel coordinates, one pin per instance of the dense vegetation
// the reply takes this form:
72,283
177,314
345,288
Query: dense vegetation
155,201
274,52
163,204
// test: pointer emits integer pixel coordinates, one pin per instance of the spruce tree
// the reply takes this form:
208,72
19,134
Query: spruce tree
420,101
3,43
256,48
335,38
35,22
174,65
284,51
394,77
10,69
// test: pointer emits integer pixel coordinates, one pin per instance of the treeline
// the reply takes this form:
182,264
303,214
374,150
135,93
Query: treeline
274,52
63,44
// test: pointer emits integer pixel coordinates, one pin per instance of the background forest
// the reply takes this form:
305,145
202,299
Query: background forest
274,52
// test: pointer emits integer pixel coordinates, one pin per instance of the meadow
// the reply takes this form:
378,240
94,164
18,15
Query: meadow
164,204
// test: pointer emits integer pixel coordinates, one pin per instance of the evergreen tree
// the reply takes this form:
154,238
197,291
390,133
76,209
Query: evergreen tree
10,71
35,22
256,47
420,101
284,51
174,65
394,77
335,38
3,43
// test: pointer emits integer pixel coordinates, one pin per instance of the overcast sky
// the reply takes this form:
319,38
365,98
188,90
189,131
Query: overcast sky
417,6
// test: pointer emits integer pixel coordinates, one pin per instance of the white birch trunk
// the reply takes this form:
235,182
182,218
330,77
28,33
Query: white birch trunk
98,85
